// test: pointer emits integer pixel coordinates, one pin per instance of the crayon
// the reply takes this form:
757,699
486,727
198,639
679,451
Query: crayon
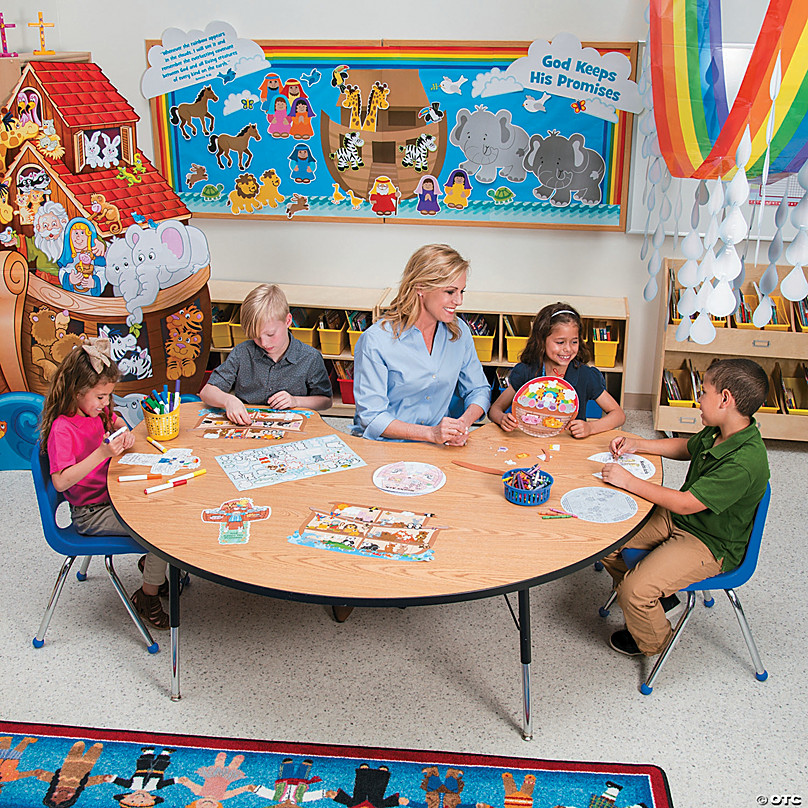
562,513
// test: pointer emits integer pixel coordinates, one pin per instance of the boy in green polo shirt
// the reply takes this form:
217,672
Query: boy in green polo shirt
702,529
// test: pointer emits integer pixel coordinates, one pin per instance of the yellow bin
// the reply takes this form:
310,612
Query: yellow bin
515,346
162,427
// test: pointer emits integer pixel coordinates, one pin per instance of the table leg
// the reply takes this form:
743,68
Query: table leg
525,652
174,619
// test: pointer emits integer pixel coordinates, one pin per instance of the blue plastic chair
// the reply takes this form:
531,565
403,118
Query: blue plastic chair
727,581
19,413
68,542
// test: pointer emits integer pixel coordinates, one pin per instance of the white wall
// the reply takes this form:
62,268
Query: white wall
539,261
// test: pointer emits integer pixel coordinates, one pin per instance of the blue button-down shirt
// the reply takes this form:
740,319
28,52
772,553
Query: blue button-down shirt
399,379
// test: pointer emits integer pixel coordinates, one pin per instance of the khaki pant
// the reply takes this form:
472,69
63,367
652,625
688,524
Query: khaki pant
101,520
678,560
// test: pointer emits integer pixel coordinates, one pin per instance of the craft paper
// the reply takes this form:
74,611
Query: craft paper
261,418
544,406
602,505
369,531
639,466
409,478
234,517
254,468
173,461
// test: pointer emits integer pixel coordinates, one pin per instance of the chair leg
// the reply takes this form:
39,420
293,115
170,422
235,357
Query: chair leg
82,573
39,640
648,685
598,566
760,672
151,645
709,600
603,611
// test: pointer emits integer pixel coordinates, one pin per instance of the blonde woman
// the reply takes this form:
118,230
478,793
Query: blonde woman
409,364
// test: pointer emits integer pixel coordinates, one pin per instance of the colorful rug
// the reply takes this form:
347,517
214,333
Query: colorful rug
61,766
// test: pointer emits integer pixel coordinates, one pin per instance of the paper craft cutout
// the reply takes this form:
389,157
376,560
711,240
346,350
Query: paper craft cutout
261,419
254,468
544,406
234,517
408,478
173,461
601,505
369,531
639,466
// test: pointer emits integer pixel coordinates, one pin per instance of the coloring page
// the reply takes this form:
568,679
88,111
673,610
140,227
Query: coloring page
603,505
639,466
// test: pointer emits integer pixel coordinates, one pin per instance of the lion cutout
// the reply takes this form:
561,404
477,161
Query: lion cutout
270,189
244,197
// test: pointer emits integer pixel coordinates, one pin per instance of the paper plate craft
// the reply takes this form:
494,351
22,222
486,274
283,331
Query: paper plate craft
262,419
409,478
234,517
639,466
602,505
268,465
369,531
544,406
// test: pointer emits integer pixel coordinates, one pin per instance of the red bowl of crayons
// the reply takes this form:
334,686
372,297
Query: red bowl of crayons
527,486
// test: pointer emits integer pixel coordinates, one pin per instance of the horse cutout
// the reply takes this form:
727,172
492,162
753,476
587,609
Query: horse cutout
224,144
182,115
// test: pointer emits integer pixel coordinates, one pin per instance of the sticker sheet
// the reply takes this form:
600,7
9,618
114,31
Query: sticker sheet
172,462
639,466
409,479
602,505
254,468
369,531
262,419
234,518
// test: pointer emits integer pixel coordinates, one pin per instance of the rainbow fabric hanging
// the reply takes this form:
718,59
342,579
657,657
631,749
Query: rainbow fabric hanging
698,132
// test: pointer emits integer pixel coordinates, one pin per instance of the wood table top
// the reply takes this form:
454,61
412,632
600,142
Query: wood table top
489,545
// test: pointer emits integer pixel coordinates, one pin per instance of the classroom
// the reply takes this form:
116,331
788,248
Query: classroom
444,676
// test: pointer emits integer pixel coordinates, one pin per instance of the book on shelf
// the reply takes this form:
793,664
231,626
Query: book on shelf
801,307
477,324
696,380
299,317
358,320
671,386
502,377
508,323
603,334
343,369
332,319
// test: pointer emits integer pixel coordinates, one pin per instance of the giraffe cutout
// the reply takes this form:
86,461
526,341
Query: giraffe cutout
378,100
353,102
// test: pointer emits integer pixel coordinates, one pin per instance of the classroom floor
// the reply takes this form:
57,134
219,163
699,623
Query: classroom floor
437,677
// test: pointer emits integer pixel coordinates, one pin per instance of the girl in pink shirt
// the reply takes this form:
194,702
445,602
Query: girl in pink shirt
76,418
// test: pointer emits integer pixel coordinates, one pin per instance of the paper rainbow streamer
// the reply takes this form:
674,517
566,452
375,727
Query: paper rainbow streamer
698,132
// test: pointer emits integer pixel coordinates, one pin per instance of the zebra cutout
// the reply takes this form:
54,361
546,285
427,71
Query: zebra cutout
348,154
415,154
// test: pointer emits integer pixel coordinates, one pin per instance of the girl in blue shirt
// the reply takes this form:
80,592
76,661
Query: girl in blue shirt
410,363
556,348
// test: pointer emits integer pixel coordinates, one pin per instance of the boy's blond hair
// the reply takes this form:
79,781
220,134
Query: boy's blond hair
265,302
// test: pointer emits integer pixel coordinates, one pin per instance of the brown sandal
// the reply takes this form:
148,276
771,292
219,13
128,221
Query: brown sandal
151,610
163,589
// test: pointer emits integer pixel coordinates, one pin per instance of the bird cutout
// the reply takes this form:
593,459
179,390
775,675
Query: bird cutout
228,76
433,113
339,76
579,106
142,220
355,200
449,87
337,196
311,78
532,104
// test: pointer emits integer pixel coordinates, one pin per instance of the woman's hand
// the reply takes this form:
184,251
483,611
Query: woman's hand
450,432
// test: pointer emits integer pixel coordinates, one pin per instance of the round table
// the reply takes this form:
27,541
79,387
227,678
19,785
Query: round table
488,546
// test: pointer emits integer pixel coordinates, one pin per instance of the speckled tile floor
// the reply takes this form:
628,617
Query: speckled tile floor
441,677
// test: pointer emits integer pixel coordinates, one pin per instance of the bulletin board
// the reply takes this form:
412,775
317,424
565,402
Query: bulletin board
393,132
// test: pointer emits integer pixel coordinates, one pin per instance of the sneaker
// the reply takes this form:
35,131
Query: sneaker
623,642
669,602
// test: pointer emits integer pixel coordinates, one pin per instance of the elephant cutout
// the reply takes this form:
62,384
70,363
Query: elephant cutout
565,168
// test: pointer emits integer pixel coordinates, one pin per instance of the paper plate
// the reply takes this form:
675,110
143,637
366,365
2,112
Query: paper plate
544,406
409,479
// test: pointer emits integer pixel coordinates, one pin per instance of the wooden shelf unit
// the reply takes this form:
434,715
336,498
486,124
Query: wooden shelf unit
595,311
766,346
311,298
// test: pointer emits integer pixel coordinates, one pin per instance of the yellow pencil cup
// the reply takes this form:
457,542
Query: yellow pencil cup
162,427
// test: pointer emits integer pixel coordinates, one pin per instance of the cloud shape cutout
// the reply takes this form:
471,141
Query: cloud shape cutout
564,67
494,82
187,58
236,102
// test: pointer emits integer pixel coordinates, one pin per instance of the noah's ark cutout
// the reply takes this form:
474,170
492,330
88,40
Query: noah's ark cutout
93,241
505,134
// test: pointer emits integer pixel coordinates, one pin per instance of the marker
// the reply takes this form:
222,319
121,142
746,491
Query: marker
563,513
175,482
115,434
132,477
156,445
